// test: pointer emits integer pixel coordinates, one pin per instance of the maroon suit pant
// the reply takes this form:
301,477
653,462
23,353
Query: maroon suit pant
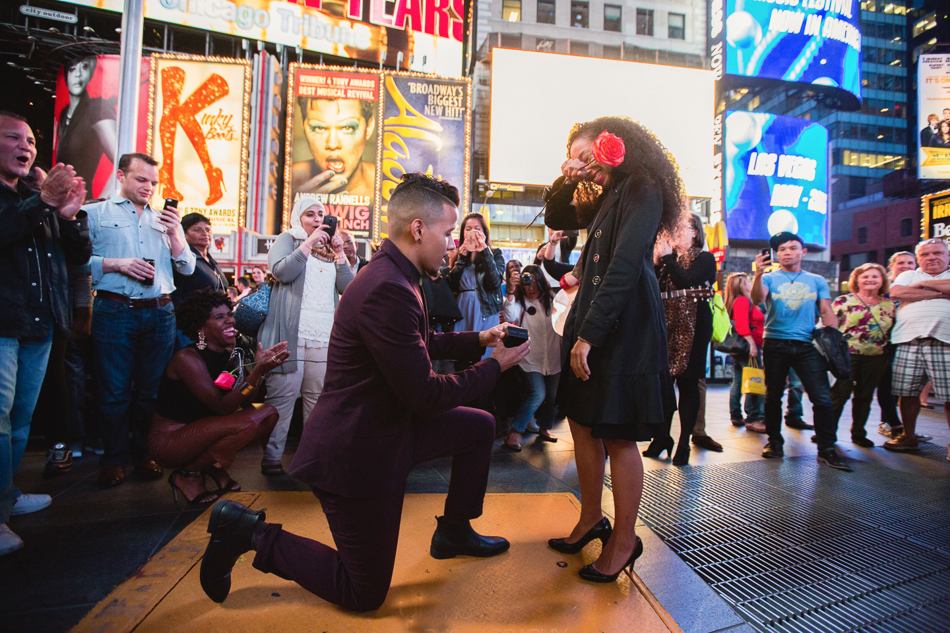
357,574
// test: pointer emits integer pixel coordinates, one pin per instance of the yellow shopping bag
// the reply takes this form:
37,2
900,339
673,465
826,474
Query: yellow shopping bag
753,379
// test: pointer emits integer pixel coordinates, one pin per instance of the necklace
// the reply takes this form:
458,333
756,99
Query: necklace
800,273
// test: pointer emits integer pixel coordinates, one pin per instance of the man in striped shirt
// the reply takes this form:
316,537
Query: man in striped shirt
922,337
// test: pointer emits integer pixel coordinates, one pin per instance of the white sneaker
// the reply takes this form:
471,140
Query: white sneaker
26,504
9,542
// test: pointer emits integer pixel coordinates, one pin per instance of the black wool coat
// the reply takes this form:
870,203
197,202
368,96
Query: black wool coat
618,310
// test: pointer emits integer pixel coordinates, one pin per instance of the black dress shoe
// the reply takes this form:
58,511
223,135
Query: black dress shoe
148,470
111,476
862,442
708,443
658,445
801,425
231,528
587,572
601,530
773,450
457,538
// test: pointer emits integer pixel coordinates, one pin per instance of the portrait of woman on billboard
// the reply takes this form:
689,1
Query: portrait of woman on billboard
337,131
86,128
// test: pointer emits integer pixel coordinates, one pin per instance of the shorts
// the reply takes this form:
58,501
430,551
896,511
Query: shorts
917,362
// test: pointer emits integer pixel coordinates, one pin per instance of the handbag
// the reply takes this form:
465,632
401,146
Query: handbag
753,379
721,323
251,311
733,343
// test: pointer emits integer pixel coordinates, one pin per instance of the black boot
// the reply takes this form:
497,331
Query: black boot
232,528
453,537
681,457
658,445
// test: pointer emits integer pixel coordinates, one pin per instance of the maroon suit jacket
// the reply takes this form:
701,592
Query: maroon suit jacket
358,441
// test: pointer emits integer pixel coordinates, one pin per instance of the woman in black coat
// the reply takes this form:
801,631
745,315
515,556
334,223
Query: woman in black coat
619,184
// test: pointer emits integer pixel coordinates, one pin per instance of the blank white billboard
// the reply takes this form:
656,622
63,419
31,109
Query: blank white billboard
537,97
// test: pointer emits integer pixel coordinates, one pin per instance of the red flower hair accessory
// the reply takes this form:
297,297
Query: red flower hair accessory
608,149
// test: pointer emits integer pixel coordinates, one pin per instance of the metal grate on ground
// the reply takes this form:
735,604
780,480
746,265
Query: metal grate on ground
800,548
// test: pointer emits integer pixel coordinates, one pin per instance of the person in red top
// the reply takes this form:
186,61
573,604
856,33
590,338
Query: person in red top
750,323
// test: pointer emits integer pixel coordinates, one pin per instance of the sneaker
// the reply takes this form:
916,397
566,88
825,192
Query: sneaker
801,425
532,427
758,426
923,438
902,444
773,450
77,450
59,460
9,541
96,447
885,429
831,458
25,504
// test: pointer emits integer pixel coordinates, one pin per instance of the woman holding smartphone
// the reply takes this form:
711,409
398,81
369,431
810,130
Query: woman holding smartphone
311,273
477,278
620,184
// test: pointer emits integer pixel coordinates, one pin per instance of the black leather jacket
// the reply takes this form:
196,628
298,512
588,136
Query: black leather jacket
30,231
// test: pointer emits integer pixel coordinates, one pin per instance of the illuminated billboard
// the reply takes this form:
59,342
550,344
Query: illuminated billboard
933,117
84,125
332,143
426,126
816,42
352,134
935,216
775,177
531,117
199,117
428,33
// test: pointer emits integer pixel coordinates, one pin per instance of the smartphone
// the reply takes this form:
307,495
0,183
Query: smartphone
329,221
515,337
767,252
169,202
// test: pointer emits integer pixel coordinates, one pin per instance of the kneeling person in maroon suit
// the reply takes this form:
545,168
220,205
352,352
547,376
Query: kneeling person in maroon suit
383,410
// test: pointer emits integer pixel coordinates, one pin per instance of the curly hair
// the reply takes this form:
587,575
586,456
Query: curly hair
645,157
194,311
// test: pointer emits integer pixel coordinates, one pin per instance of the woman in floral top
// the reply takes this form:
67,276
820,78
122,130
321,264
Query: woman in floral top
865,317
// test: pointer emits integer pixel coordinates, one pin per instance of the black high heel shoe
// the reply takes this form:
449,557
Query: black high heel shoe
587,572
681,457
197,501
602,531
658,445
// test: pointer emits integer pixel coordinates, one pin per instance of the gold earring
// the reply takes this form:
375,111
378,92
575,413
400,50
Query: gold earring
201,340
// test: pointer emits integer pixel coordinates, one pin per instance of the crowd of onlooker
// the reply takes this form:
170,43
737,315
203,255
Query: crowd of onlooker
125,312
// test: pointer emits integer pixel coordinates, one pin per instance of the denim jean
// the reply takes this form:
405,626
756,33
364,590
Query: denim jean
78,365
131,348
795,410
754,404
22,368
538,402
779,356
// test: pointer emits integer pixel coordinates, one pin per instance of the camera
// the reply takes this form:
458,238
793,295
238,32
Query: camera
527,279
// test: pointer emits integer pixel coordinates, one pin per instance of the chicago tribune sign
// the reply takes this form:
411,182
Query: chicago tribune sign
428,33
